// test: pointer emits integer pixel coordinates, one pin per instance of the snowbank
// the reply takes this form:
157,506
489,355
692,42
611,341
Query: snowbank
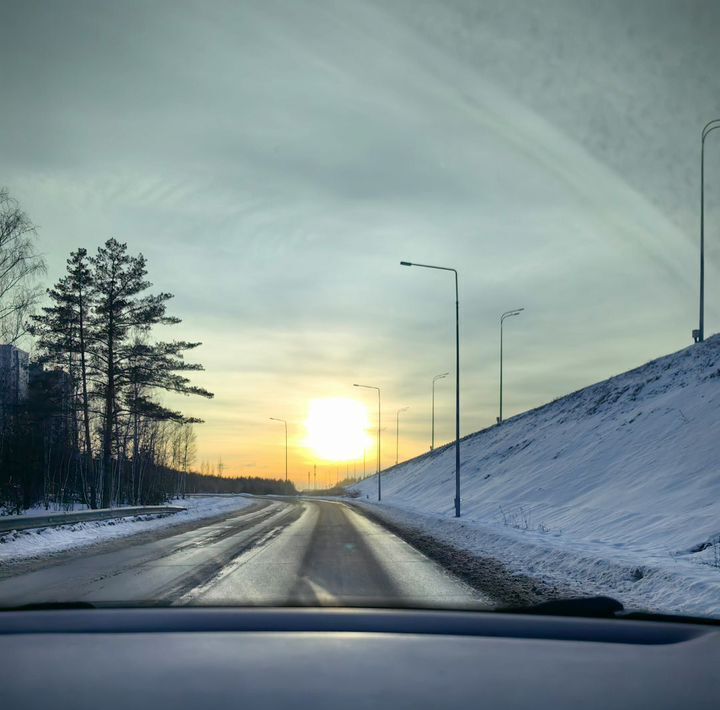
44,541
615,483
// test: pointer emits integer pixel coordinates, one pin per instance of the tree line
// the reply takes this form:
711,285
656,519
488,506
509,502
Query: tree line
211,483
93,428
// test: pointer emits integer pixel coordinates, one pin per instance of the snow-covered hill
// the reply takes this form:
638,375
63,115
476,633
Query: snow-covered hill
626,472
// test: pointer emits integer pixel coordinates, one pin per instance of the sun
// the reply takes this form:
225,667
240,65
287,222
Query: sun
337,429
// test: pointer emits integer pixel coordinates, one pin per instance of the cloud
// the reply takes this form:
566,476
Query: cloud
275,161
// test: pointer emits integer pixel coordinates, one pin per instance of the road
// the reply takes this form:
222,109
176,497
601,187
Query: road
306,552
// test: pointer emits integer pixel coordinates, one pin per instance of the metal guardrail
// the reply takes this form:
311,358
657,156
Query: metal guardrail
26,522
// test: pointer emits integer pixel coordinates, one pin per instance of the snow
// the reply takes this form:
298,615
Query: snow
613,489
25,544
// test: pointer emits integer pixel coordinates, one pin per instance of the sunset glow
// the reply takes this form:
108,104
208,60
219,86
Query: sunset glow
337,429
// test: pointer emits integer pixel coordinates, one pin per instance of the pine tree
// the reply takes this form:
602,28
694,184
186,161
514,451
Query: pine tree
98,329
132,367
63,337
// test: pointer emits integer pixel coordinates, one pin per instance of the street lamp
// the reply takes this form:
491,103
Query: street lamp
457,377
432,428
370,387
507,314
397,432
708,128
275,419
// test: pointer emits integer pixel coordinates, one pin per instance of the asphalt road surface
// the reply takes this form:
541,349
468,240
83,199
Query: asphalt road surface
304,552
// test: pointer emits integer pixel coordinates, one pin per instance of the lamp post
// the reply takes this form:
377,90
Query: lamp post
457,377
275,419
397,432
708,128
507,314
432,427
370,387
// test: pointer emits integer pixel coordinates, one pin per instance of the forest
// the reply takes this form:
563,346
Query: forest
83,420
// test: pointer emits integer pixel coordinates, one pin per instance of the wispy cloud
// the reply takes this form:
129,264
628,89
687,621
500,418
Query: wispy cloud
275,161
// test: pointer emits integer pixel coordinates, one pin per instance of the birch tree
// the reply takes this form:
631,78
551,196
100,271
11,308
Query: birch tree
20,266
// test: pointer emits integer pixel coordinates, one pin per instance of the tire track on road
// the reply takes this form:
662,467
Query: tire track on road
203,574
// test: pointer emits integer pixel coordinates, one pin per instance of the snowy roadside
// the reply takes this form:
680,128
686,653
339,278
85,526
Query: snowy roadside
613,489
668,585
40,542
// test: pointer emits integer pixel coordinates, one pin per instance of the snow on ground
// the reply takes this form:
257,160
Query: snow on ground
614,488
24,544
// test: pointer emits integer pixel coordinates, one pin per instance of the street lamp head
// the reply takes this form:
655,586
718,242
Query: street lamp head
368,387
710,126
510,314
405,263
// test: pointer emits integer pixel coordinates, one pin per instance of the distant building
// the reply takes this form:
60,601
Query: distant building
13,377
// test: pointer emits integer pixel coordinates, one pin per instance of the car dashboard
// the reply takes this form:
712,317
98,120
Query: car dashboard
184,658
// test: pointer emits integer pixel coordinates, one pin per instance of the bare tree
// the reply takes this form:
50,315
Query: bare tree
182,453
188,451
20,265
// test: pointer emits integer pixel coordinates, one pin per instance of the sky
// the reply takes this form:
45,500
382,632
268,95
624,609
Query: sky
275,161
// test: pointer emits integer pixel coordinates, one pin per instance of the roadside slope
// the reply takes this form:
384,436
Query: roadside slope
627,470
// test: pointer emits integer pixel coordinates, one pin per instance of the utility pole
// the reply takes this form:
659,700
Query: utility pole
397,432
432,428
457,376
507,314
699,334
370,387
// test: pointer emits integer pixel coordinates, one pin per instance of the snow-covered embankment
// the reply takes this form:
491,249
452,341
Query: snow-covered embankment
614,488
